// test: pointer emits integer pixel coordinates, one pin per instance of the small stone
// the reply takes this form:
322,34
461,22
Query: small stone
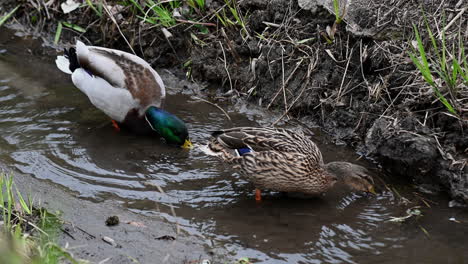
112,220
110,241
166,237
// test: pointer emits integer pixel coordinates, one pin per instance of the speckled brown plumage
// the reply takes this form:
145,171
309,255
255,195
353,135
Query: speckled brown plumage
283,160
139,80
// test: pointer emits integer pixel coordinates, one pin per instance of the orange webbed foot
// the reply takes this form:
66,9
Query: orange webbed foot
258,195
115,125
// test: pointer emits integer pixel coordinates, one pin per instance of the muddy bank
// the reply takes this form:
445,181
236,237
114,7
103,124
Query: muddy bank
146,239
361,88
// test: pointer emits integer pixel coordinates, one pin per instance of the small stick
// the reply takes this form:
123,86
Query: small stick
309,71
453,20
231,48
84,231
67,233
225,65
338,97
117,25
282,78
196,23
213,104
271,24
285,83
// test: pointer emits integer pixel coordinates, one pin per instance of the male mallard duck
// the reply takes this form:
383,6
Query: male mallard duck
285,161
125,88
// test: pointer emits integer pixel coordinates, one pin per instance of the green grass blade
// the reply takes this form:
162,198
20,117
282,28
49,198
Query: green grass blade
431,37
148,20
74,27
422,65
2,199
201,4
336,8
22,202
422,52
58,33
138,6
444,101
424,71
10,200
443,62
7,16
456,69
90,4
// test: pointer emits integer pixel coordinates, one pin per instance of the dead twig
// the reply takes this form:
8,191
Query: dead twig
453,20
117,25
311,67
285,83
215,105
67,233
196,23
282,80
225,65
338,96
231,48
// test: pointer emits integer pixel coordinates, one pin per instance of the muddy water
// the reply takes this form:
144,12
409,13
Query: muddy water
50,131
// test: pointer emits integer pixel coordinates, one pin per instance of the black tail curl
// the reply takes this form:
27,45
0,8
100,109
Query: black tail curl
70,54
216,133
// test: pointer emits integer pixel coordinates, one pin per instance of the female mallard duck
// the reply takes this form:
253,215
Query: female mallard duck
285,161
125,88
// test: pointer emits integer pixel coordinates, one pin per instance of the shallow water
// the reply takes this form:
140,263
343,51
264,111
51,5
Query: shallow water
52,132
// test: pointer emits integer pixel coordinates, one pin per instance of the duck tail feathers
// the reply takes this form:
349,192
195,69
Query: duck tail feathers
68,63
63,64
216,133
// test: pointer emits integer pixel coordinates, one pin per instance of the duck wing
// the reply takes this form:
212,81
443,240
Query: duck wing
265,139
114,102
125,71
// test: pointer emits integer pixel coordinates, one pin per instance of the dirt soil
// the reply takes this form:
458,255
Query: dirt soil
361,88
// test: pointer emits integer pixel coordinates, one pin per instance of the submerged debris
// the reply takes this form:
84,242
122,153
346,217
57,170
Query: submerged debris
453,219
137,224
112,220
413,211
110,241
165,237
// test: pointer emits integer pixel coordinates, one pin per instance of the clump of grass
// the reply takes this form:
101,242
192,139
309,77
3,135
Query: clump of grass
197,4
442,69
329,35
28,234
232,17
157,13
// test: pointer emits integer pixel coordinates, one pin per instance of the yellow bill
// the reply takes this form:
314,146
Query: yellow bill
187,144
372,190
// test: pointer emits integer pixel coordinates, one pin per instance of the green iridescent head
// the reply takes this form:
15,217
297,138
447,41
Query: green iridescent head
169,126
